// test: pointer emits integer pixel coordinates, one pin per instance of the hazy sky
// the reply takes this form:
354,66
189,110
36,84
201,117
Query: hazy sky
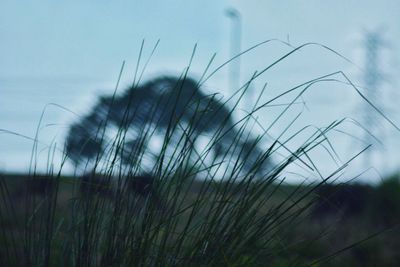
68,53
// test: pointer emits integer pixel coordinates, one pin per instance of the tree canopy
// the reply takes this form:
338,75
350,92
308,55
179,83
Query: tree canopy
169,107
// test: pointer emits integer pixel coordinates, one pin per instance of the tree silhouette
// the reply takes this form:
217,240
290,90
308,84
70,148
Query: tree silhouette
168,107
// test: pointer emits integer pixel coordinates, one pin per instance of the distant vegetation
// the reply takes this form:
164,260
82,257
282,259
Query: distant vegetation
172,109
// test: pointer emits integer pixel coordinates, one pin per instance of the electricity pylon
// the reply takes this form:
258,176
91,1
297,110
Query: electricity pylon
372,77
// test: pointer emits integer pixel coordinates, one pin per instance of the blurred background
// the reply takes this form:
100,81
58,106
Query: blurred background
70,53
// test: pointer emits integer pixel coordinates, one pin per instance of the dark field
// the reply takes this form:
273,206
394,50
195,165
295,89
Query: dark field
102,221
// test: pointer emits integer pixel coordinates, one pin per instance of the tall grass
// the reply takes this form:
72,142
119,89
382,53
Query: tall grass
202,210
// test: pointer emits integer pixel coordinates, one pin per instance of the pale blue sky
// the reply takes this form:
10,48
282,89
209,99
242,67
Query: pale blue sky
68,53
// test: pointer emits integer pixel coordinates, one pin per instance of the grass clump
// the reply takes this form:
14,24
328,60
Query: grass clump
170,178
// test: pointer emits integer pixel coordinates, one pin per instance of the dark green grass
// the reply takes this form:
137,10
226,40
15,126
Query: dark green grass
295,239
203,211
